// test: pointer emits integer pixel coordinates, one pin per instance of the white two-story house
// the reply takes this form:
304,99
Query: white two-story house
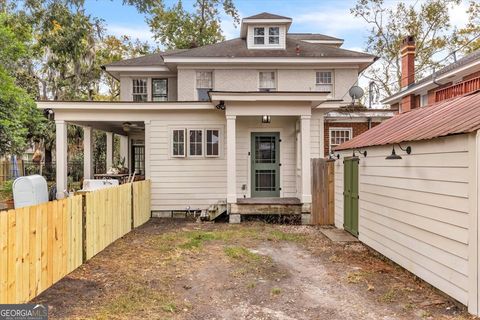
237,121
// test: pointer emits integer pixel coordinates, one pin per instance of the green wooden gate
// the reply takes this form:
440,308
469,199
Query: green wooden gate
350,195
265,168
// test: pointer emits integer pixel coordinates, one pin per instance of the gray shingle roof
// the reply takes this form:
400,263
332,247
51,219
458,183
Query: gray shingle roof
267,15
154,59
311,36
238,48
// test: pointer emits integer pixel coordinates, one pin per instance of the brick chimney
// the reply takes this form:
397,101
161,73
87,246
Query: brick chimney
407,52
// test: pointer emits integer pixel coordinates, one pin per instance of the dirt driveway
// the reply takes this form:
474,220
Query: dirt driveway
173,269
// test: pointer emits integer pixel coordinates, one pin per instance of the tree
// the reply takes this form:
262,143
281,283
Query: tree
463,36
177,28
429,24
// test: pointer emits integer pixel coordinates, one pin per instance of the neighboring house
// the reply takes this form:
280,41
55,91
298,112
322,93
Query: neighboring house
237,121
411,190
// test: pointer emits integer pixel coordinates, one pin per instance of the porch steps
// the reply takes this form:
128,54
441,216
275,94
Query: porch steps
214,211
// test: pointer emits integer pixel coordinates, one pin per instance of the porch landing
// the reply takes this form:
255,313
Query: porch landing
256,206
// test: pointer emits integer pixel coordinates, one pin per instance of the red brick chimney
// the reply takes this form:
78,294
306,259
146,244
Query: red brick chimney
408,72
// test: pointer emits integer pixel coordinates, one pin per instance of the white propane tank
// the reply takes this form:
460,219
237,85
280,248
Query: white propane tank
29,191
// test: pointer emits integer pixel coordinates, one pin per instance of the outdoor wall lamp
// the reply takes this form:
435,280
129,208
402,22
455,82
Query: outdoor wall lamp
361,152
266,119
49,114
221,105
395,156
333,156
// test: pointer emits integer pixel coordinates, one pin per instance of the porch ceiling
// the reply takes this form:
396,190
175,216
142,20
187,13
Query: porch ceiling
116,127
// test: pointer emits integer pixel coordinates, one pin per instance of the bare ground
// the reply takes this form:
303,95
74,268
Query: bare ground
174,269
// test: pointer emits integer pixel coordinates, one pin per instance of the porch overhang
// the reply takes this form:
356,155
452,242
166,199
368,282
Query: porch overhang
124,105
315,98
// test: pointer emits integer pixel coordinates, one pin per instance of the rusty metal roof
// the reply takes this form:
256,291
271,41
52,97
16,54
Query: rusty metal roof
454,116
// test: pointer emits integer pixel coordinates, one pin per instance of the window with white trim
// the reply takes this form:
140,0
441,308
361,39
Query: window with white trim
195,142
204,84
212,143
139,90
266,35
273,35
267,81
339,136
259,35
324,81
178,142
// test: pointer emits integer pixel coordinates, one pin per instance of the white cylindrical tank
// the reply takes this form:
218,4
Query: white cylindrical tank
30,191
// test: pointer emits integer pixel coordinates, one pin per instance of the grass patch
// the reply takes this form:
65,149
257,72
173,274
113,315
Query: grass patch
276,291
356,277
242,253
195,239
389,296
284,236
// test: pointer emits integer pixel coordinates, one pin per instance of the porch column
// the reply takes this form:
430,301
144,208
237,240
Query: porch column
61,157
148,135
87,153
109,153
231,160
124,150
306,178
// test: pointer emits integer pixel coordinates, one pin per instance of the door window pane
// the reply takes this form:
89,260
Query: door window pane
265,150
265,180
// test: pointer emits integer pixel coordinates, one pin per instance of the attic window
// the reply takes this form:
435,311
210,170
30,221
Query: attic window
274,35
260,36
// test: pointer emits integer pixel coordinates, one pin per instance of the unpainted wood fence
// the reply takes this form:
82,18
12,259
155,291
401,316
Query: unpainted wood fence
323,192
39,245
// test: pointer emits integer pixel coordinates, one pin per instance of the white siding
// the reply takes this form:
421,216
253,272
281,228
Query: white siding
415,210
181,182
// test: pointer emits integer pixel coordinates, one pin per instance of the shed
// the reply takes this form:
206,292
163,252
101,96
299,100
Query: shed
420,209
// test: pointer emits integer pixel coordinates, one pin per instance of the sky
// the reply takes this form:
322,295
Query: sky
330,17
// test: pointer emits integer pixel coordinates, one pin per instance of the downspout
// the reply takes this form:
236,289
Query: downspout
369,120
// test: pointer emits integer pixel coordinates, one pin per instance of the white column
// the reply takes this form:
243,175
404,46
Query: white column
231,160
306,176
321,127
87,153
109,153
61,157
124,150
148,135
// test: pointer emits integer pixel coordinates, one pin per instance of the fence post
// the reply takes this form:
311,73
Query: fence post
132,207
84,228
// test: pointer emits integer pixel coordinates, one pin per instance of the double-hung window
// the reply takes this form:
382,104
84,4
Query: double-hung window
339,136
178,143
159,89
266,35
212,143
139,91
204,84
324,81
267,81
195,142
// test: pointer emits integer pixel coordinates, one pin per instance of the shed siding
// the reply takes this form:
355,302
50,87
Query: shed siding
415,210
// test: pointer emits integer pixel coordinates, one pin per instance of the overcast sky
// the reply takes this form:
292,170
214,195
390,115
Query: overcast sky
330,17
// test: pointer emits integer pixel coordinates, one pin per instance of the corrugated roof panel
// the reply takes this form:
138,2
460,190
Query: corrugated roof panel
458,115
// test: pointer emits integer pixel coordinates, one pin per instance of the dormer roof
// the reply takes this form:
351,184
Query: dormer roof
263,19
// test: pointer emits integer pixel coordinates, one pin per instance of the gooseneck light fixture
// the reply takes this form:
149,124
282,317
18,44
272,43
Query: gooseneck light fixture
364,153
395,156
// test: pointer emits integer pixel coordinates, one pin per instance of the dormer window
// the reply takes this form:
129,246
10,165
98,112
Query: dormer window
266,35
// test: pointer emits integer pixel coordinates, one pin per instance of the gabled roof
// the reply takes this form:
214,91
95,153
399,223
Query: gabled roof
467,59
458,115
266,15
238,48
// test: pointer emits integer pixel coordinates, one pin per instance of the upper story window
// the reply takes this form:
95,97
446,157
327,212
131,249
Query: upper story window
267,81
204,84
324,81
140,90
159,89
266,35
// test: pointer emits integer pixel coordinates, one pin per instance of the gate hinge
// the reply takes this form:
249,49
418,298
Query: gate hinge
279,164
279,140
248,152
280,188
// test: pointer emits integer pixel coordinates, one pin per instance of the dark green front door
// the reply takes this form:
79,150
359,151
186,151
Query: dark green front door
265,156
350,195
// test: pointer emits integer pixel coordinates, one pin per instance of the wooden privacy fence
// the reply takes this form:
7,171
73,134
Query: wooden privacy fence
41,244
323,192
